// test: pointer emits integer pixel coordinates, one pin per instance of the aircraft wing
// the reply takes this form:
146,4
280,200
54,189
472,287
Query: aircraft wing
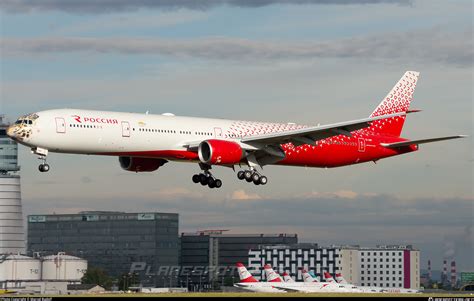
310,135
411,142
290,290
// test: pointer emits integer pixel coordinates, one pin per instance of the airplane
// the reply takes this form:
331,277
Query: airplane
248,282
271,275
287,277
307,277
145,142
328,277
314,276
341,279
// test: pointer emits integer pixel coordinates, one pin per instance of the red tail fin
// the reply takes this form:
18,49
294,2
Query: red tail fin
397,100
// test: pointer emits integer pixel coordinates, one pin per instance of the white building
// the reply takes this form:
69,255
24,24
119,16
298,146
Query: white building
293,258
396,266
12,234
382,266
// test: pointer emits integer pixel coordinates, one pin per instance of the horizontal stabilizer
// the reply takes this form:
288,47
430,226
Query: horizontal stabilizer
411,142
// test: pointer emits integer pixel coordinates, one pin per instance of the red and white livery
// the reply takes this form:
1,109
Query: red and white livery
145,142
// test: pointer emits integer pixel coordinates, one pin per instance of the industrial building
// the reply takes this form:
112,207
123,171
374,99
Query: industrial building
12,234
215,250
41,274
395,266
109,240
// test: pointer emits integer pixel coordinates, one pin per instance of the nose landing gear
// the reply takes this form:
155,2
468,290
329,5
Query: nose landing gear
42,153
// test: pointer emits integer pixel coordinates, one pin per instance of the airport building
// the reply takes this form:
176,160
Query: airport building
293,258
211,249
113,241
12,234
384,266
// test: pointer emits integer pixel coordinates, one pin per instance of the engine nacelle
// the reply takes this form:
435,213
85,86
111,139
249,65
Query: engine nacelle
220,152
138,164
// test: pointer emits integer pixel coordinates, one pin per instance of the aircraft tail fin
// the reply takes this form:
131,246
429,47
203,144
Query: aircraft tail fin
328,277
340,279
271,275
287,277
397,100
244,275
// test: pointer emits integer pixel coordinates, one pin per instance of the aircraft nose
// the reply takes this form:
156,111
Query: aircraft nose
11,131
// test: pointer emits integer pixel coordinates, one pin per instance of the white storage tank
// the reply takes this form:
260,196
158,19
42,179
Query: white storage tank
63,267
19,268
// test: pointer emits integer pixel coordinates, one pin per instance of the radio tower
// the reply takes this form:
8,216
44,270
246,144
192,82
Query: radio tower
12,235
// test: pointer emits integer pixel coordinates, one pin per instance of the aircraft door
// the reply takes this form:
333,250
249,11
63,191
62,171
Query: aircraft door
217,132
361,143
60,125
125,129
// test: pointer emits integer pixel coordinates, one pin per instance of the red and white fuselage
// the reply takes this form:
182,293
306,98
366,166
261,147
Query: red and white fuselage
144,142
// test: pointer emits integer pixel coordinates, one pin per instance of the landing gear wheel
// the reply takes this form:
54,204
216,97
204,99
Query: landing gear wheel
196,179
211,182
218,183
248,175
43,167
256,178
203,179
256,182
240,175
263,180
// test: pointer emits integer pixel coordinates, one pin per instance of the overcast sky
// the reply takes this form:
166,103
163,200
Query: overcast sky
290,61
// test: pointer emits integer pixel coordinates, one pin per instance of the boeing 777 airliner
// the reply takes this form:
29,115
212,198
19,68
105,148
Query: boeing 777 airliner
144,142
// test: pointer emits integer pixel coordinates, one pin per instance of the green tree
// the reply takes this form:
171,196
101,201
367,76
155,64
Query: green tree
97,276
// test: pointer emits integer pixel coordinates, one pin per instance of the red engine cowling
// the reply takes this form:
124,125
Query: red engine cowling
220,152
137,164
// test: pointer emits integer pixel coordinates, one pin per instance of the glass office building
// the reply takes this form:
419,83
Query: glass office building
113,241
218,252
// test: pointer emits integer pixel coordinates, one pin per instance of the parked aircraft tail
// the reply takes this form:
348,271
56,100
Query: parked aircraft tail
244,275
271,275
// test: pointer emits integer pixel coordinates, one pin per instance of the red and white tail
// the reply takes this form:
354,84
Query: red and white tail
271,275
397,100
307,276
340,279
328,277
287,277
244,275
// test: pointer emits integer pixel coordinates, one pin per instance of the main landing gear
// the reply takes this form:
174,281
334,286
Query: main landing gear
252,176
206,178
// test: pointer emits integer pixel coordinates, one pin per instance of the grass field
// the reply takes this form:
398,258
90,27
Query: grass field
220,295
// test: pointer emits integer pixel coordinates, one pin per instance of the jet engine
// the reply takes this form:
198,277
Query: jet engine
220,152
138,164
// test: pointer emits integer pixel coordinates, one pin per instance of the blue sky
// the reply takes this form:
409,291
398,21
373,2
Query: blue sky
309,63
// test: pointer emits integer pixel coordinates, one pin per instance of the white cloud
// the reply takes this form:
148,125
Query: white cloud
107,6
432,45
241,195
